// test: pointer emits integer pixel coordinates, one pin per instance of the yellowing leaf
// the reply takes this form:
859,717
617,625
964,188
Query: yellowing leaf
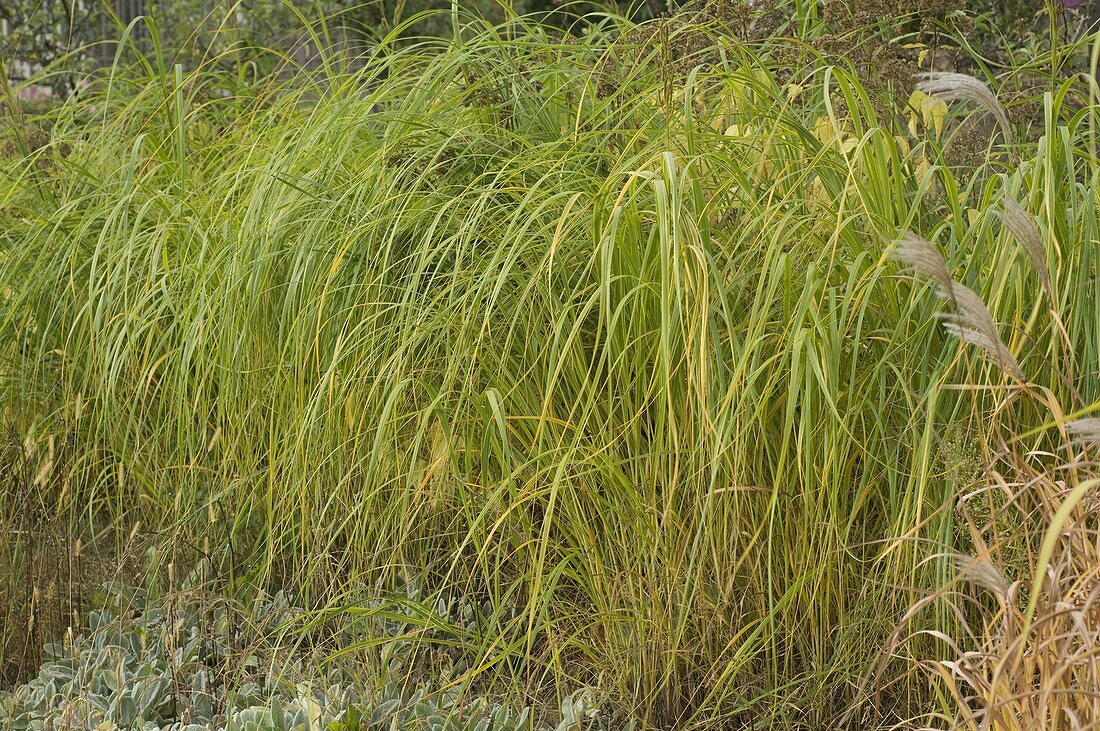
935,112
824,131
736,130
794,92
923,167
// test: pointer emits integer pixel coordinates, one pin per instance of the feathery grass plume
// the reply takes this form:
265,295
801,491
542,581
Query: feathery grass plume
1084,430
994,349
950,86
1023,229
924,260
971,310
982,572
972,323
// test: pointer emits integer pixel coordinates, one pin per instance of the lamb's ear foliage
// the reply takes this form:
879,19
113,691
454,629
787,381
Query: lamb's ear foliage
247,672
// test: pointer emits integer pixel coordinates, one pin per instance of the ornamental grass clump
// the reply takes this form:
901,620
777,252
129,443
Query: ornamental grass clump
642,390
1022,650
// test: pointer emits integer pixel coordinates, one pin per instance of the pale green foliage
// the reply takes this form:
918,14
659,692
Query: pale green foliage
196,661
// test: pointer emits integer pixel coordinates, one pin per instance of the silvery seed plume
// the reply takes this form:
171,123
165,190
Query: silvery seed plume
924,260
950,86
993,349
972,323
971,310
1084,430
1023,229
981,572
